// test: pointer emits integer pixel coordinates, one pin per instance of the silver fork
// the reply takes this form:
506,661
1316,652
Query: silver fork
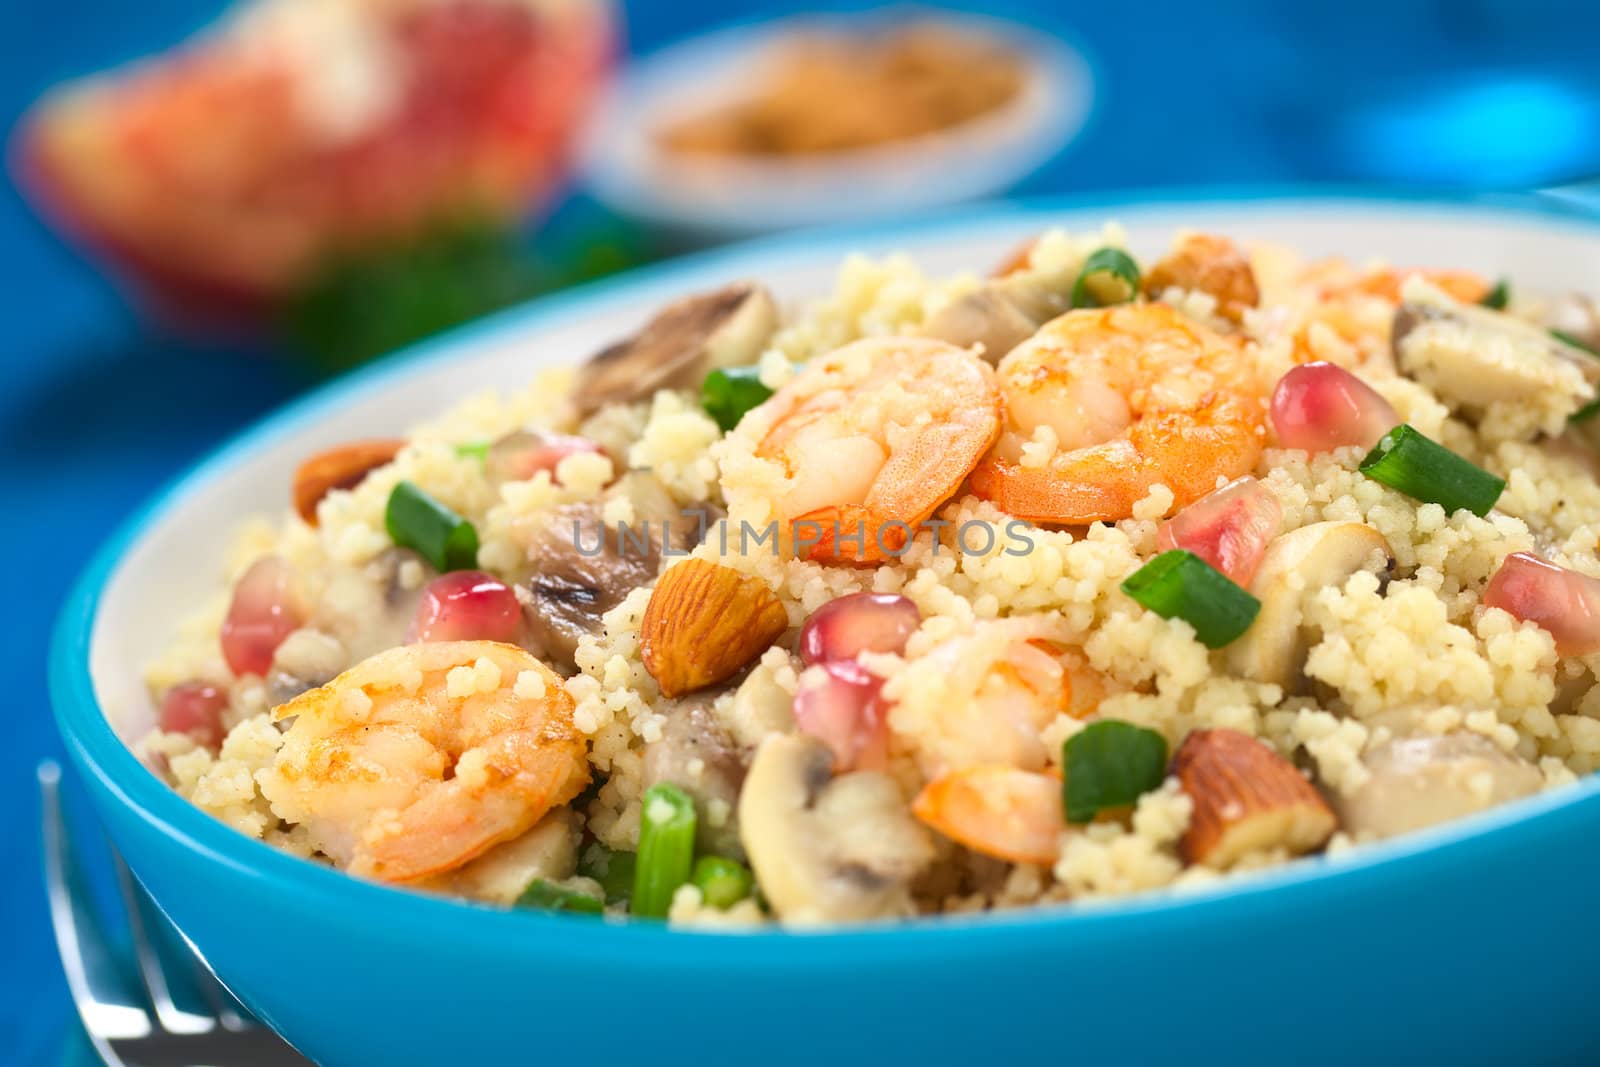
174,1012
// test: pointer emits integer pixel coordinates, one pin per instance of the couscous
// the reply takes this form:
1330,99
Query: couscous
1082,578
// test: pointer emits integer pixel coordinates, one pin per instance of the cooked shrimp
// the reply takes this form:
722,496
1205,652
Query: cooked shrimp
1209,264
1462,285
1134,395
424,757
1332,278
987,696
873,437
1350,314
996,810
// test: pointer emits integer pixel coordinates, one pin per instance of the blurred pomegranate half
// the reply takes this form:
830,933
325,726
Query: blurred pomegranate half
219,175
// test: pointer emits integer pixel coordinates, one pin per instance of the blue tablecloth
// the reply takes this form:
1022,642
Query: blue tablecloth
95,412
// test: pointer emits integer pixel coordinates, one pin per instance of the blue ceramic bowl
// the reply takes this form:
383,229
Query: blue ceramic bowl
1468,944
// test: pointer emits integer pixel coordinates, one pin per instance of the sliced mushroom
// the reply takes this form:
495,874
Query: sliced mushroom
369,609
548,851
306,659
585,566
1475,357
1422,780
696,754
1577,316
675,350
1293,569
999,315
825,849
521,454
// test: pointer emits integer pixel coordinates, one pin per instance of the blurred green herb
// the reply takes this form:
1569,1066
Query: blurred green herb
541,895
1568,339
362,304
729,392
478,450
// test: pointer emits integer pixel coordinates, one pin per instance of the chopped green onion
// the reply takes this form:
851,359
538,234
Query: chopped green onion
1403,459
547,896
1179,584
1109,276
666,849
1592,408
478,450
613,870
1568,339
1497,298
1110,764
728,393
722,882
417,521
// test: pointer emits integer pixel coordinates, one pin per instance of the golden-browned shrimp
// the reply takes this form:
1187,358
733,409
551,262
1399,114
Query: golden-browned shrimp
1208,264
872,438
1134,395
423,757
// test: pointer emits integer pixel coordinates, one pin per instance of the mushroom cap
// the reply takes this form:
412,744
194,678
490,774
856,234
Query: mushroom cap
999,315
585,566
1293,568
824,849
1421,780
695,753
679,346
1475,357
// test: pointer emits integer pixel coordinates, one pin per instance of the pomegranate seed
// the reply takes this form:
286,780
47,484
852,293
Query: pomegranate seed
1564,602
194,708
466,606
1319,406
266,608
845,627
519,456
1229,528
842,707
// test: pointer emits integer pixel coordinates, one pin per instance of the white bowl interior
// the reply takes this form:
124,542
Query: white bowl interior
174,562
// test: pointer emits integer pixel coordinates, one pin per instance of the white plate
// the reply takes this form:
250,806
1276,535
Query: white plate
725,198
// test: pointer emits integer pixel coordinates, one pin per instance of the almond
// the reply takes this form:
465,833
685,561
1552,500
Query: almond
338,468
1247,798
704,623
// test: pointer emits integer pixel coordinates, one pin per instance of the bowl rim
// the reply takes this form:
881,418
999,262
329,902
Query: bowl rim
100,753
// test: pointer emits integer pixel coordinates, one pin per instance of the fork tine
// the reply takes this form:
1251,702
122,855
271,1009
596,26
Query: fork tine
232,1014
229,1012
107,1000
167,975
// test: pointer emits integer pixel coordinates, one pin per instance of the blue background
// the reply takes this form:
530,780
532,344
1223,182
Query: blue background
96,412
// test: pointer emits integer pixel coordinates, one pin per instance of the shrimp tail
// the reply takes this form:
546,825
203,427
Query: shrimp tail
851,534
